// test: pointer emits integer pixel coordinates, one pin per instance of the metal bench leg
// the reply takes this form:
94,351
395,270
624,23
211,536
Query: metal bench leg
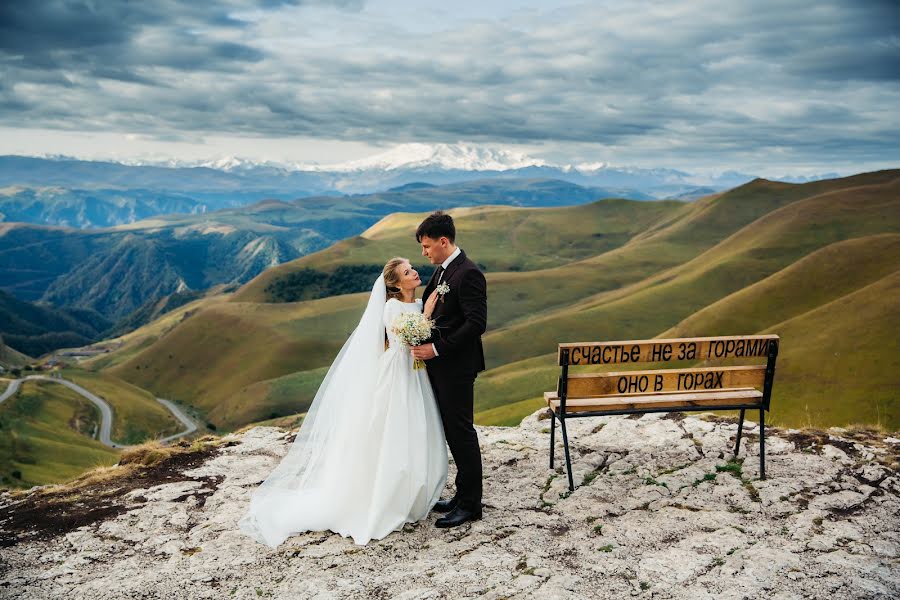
562,426
552,436
762,443
737,443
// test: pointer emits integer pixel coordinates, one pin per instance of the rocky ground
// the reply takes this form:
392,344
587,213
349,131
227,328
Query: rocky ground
658,511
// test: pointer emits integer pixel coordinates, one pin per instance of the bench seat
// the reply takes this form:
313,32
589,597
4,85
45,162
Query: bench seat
749,397
707,384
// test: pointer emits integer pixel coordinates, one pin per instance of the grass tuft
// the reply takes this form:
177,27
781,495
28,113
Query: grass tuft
707,477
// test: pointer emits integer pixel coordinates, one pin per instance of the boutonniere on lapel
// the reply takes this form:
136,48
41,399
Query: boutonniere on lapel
442,290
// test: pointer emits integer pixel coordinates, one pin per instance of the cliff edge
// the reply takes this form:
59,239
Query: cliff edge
659,511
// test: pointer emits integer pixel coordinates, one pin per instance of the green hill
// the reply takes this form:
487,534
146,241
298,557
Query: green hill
691,293
738,262
10,358
45,438
840,362
35,329
499,238
208,358
271,356
137,416
669,243
816,279
759,249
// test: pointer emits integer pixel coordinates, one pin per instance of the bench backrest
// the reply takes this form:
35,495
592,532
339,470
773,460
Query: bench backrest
593,385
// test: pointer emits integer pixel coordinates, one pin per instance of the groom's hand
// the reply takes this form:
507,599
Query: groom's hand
425,352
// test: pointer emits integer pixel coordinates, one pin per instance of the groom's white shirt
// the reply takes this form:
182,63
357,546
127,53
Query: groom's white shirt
444,266
447,262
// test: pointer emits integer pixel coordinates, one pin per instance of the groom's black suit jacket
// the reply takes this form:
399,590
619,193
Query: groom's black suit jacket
461,318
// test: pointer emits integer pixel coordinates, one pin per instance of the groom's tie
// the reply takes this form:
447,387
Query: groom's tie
440,273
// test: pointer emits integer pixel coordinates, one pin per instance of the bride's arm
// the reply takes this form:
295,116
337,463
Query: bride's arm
391,309
428,310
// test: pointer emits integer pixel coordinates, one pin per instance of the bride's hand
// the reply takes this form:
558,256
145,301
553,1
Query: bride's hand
430,304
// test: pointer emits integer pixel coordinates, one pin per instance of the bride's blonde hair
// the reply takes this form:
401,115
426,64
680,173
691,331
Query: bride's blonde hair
392,277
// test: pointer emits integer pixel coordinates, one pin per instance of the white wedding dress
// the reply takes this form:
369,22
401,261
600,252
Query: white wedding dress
370,455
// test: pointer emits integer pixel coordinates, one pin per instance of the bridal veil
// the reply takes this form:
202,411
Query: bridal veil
340,407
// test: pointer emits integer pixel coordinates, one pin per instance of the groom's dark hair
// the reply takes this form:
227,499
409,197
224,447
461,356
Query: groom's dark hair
437,225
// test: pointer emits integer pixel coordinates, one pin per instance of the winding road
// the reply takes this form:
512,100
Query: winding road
105,409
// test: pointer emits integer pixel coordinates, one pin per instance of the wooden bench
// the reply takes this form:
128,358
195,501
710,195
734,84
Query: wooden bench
702,388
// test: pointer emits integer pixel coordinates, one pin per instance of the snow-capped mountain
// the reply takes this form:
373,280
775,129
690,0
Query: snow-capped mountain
234,163
444,163
448,157
437,158
436,164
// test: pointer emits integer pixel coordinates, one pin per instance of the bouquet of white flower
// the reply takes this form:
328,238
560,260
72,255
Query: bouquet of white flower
412,328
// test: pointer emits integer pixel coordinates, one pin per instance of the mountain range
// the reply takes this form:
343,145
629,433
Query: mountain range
117,270
816,263
77,193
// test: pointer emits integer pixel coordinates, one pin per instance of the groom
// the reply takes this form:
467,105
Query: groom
455,357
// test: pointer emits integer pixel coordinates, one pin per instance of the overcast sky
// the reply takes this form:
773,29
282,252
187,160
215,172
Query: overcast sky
769,87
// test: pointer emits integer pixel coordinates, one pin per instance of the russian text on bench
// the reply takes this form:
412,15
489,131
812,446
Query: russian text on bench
664,390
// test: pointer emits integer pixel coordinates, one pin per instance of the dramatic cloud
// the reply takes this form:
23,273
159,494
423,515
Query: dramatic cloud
706,82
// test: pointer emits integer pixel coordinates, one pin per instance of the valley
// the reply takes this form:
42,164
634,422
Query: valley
816,263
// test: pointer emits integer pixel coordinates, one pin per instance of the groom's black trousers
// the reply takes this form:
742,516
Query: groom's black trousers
455,398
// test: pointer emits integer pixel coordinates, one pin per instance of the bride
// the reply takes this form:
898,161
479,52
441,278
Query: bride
370,455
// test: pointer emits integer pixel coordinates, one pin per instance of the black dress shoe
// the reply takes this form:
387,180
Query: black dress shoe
445,505
458,516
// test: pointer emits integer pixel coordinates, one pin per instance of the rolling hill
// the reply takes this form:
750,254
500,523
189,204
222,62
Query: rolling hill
118,270
841,360
649,308
816,263
738,262
757,250
45,436
137,416
10,358
35,329
270,352
500,238
211,358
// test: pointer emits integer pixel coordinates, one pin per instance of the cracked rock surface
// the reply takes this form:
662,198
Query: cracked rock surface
659,511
